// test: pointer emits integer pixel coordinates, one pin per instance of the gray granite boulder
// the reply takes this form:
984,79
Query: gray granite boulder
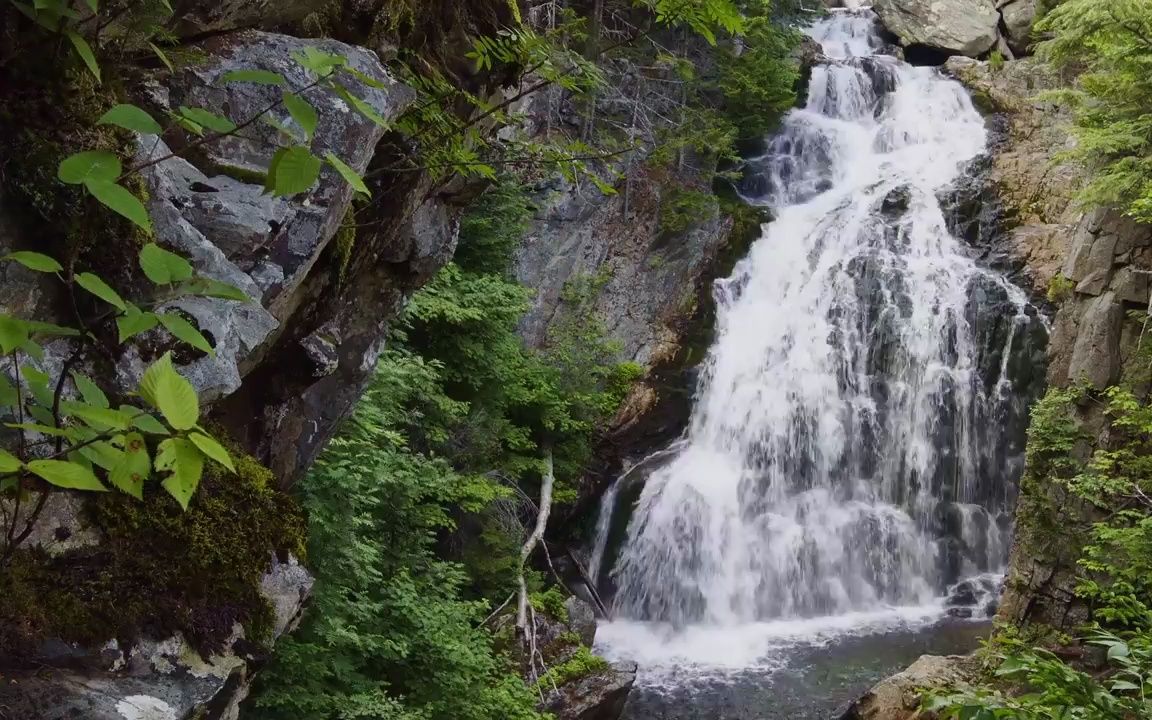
962,27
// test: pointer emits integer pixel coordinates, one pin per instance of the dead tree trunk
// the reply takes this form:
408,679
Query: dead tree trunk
530,544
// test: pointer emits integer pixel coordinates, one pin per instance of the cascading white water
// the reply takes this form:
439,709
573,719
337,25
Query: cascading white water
840,459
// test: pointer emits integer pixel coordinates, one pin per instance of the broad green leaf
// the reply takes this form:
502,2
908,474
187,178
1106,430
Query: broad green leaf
97,417
38,428
122,202
135,322
294,170
99,288
33,350
361,107
13,333
186,332
101,454
163,57
1124,685
1119,650
168,391
84,50
260,77
303,113
321,63
350,176
146,423
90,391
163,267
35,261
207,119
366,79
93,5
8,394
9,463
131,117
206,287
212,449
89,165
35,327
67,475
134,467
38,382
184,461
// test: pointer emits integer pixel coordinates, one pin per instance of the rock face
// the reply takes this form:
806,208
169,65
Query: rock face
1018,18
600,696
645,278
1096,267
153,680
288,366
965,27
899,697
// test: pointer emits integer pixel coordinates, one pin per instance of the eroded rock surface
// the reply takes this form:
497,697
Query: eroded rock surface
966,27
899,697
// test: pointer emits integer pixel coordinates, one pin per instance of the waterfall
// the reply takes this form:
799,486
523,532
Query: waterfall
849,450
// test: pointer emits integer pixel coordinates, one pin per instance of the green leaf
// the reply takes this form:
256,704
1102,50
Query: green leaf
134,467
361,107
9,463
303,113
122,202
101,454
350,176
1124,685
293,170
8,395
90,391
13,333
131,117
1118,650
81,167
210,120
99,288
321,63
260,77
146,423
366,79
39,428
212,449
67,475
84,50
163,57
187,332
37,381
36,327
97,417
206,287
135,322
168,391
35,261
93,5
184,461
163,267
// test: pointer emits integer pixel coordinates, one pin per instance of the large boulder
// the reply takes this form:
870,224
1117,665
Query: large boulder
961,27
899,697
1019,15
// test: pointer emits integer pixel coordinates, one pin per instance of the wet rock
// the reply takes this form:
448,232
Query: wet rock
896,203
1095,354
582,620
600,696
1018,18
899,697
155,680
964,27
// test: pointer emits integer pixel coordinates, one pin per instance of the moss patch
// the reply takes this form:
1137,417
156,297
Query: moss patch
160,570
49,107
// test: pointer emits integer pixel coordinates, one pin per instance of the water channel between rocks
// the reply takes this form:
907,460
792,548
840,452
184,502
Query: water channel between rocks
845,485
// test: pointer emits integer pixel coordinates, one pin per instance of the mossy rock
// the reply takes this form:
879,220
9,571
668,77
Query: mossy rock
159,570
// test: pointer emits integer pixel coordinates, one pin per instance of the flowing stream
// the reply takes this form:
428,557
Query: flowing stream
852,455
